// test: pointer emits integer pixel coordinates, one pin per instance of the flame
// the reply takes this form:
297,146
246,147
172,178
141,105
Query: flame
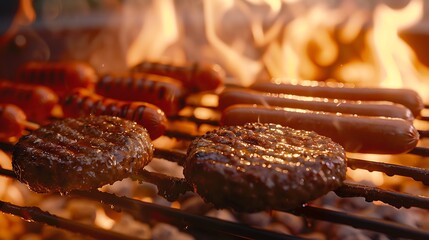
395,57
347,41
160,24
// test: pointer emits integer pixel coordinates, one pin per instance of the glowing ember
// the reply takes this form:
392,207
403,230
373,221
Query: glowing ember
102,220
360,175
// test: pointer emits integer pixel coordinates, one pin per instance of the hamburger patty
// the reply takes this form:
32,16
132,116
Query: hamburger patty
263,166
83,153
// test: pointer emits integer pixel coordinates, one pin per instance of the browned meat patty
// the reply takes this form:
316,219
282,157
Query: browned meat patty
263,166
83,153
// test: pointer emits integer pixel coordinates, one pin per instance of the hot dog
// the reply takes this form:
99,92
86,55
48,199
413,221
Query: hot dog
36,101
61,77
164,92
196,77
82,102
406,97
12,120
247,96
356,134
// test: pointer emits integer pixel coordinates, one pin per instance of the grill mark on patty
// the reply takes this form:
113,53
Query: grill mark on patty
88,152
255,162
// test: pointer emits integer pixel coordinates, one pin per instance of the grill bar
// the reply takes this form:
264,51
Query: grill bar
194,119
373,224
370,194
172,187
142,211
36,214
418,174
150,212
145,211
170,155
420,151
179,135
423,133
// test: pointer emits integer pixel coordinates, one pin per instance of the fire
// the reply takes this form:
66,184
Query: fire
346,41
395,57
253,40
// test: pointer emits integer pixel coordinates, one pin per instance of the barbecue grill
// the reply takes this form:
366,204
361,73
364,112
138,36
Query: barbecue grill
199,116
171,187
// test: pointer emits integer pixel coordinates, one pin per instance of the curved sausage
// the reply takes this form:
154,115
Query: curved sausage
83,102
61,77
406,97
36,101
12,120
356,134
245,96
196,77
164,92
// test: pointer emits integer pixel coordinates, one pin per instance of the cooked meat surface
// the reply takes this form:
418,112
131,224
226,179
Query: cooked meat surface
83,153
263,166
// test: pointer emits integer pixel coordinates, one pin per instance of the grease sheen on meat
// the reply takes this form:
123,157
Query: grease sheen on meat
83,153
263,166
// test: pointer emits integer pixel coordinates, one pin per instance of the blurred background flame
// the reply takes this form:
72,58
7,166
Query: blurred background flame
368,43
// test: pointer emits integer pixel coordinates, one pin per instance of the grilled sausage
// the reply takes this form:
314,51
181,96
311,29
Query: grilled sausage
82,102
61,77
36,101
164,92
195,77
406,97
11,122
356,134
246,96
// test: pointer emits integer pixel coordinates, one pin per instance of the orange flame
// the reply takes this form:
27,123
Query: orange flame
348,41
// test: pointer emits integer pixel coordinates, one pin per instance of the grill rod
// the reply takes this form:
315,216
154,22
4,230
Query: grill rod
172,187
347,190
340,218
373,224
36,214
140,210
150,211
418,174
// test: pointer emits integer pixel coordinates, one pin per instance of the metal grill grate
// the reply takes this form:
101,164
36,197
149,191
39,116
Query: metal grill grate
171,188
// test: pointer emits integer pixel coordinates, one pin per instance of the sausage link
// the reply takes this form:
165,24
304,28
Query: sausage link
356,134
12,120
406,97
83,102
195,77
361,108
36,101
61,77
164,92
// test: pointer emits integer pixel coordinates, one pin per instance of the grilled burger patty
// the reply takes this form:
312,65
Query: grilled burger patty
263,166
83,153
